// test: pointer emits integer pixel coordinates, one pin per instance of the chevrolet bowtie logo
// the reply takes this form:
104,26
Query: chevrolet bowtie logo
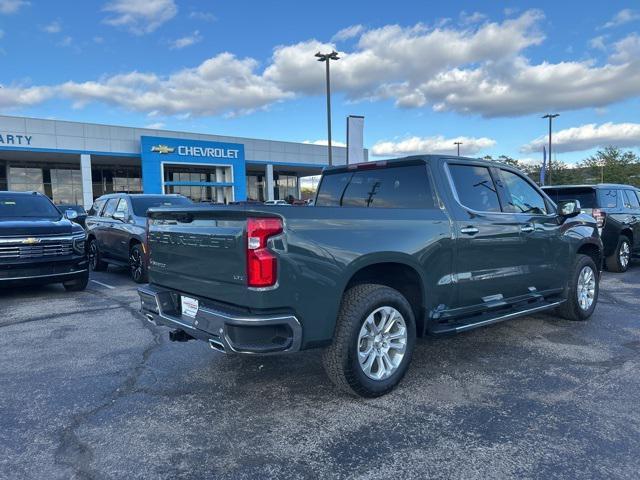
31,241
163,149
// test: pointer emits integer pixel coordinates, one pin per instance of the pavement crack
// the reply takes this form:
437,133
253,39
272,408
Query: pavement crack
56,315
72,451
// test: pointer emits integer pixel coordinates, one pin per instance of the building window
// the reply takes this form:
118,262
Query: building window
255,188
286,186
194,182
3,176
63,184
115,179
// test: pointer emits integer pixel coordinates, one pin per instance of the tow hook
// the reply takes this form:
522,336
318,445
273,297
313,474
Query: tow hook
180,336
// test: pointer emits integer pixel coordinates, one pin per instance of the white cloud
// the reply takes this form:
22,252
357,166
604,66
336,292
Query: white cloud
623,16
471,18
12,6
325,142
53,27
589,136
203,16
155,126
480,69
598,42
435,144
66,42
222,84
186,41
23,96
140,16
347,33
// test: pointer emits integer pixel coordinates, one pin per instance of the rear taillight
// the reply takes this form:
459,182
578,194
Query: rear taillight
600,216
262,265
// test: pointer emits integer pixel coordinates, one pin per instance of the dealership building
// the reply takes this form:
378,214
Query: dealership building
74,163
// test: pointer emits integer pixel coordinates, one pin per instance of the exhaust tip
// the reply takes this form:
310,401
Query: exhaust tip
216,345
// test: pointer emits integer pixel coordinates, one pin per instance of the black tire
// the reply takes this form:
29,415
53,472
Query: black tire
571,309
341,358
96,263
137,264
77,284
613,262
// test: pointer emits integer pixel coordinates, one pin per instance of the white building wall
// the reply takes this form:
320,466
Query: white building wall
89,138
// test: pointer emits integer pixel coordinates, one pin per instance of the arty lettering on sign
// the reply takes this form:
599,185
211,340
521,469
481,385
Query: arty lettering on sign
9,139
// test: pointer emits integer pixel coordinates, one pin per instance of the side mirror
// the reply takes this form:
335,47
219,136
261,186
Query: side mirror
118,216
70,214
568,208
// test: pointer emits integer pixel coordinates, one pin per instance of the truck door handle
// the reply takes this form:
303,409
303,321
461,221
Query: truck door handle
527,228
469,230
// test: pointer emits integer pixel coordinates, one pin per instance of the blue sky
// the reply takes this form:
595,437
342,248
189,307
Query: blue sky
424,74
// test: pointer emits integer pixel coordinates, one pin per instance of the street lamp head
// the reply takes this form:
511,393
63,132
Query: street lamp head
324,57
551,115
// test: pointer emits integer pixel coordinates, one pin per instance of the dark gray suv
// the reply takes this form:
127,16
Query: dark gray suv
116,230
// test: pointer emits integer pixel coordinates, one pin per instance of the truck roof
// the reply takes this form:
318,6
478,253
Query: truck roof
593,185
412,159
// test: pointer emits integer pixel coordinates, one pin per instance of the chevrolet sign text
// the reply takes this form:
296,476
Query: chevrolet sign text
207,152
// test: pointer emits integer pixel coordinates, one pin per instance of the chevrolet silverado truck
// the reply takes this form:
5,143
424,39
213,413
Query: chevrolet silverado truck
391,251
39,244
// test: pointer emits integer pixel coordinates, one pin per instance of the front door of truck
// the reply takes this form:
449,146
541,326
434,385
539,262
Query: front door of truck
545,256
489,264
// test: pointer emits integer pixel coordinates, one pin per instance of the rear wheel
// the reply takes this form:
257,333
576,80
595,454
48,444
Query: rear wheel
95,258
137,265
373,343
582,290
621,258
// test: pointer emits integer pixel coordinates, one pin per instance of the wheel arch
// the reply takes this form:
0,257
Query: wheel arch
395,271
592,250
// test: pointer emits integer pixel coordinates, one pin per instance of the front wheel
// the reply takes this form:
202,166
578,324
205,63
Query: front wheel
373,343
77,284
95,257
137,264
582,290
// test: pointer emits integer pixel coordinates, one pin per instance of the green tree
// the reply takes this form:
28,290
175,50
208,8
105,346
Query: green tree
612,165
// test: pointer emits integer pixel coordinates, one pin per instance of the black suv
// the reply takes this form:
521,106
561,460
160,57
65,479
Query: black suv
617,210
38,244
116,229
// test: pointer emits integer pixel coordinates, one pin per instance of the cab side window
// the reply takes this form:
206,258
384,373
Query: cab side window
96,208
110,208
631,201
521,196
123,207
475,188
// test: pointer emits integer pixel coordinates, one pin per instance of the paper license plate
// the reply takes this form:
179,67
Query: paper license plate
189,306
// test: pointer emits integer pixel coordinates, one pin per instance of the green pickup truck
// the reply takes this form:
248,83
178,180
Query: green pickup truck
391,251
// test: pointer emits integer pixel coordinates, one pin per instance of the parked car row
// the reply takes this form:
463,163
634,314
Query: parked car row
616,208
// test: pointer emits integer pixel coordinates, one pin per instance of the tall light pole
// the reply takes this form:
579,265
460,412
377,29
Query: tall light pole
458,145
550,116
327,57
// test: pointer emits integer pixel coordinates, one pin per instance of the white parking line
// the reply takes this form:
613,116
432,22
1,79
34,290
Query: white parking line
103,284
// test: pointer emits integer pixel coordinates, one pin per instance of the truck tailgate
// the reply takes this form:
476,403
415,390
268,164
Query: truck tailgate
201,251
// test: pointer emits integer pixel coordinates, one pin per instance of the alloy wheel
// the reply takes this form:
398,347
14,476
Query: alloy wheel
382,343
586,288
135,263
93,255
625,254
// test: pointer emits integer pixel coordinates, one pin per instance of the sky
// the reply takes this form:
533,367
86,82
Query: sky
424,74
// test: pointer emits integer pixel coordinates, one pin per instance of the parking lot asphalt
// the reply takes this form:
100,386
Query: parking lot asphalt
90,390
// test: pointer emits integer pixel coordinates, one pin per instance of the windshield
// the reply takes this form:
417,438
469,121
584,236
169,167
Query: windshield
27,206
586,196
142,204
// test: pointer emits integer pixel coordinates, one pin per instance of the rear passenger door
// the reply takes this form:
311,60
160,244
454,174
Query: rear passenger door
489,262
544,254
